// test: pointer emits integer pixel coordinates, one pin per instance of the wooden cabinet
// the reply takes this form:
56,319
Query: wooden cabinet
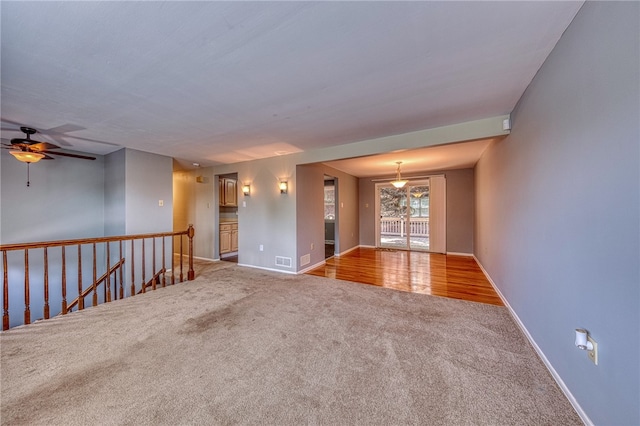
228,190
228,237
225,238
234,237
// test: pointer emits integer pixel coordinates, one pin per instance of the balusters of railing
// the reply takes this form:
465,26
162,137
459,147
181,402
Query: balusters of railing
27,308
133,275
95,277
121,273
164,269
46,284
106,278
81,299
107,288
153,261
173,268
181,279
190,233
64,282
5,292
144,260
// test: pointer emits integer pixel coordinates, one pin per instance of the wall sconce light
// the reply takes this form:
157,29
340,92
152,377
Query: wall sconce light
581,340
246,189
283,186
586,343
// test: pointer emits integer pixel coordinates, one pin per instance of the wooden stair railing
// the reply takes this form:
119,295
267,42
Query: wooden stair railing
154,281
93,287
136,264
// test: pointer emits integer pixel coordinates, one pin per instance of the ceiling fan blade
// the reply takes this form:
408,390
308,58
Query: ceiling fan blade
18,146
56,138
43,146
46,157
64,128
65,154
6,120
91,140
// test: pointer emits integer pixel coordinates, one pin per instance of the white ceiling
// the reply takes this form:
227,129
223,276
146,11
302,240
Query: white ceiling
221,82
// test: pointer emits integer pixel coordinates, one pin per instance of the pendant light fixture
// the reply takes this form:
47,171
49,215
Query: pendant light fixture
399,182
27,156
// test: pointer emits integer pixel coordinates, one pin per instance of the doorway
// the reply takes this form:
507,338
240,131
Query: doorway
228,190
412,217
330,216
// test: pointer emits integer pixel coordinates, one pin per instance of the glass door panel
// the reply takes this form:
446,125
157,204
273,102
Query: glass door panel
393,214
418,229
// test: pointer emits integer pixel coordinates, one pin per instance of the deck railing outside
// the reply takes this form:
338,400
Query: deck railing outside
418,226
49,273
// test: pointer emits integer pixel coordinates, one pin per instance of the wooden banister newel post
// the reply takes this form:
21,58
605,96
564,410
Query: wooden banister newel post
190,233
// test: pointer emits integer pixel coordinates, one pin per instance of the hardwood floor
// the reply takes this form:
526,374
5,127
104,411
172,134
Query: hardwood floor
457,277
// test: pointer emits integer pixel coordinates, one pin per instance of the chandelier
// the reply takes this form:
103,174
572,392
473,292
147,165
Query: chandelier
399,182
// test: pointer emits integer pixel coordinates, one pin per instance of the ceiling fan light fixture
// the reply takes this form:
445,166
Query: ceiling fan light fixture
27,156
399,182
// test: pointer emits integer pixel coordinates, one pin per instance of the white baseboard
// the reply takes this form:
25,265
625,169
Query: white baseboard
308,268
206,258
346,251
267,269
196,257
576,406
455,253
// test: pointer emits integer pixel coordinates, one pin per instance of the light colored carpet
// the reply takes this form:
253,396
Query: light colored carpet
244,346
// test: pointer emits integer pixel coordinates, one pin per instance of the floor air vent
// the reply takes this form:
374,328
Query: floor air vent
283,261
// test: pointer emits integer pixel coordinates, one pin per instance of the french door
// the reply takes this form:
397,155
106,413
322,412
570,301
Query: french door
412,217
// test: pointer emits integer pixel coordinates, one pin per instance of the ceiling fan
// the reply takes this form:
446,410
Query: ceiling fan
28,150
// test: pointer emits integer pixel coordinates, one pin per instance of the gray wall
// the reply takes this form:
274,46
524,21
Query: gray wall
310,211
149,178
114,193
266,217
460,210
558,209
65,199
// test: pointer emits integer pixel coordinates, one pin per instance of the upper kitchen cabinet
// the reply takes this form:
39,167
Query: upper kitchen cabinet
228,190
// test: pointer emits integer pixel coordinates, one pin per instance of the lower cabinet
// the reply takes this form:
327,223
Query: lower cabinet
234,237
228,237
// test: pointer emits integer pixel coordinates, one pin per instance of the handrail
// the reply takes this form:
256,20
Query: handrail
58,243
89,289
136,263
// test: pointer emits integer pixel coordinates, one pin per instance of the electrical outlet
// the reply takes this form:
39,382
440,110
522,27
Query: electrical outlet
593,353
160,203
261,247
311,246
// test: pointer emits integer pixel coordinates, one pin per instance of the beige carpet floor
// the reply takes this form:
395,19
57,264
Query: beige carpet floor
245,346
